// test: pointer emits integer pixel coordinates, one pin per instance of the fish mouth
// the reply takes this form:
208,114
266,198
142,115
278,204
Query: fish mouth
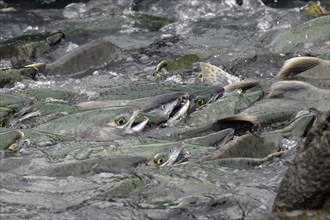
163,104
28,111
302,123
218,93
178,110
131,126
177,156
166,110
170,111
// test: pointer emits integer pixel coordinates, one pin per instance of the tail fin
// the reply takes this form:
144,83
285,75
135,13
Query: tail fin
213,75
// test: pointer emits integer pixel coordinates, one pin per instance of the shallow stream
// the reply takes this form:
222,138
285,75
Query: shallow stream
222,33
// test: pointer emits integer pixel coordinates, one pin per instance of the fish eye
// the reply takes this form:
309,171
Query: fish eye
120,121
200,101
3,124
159,161
55,38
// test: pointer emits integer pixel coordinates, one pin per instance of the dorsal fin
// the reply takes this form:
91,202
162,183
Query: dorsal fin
282,88
296,66
244,85
39,66
269,35
241,117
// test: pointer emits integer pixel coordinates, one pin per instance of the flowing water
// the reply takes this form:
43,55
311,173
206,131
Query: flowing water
223,32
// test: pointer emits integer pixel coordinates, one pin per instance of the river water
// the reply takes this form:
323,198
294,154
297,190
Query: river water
225,33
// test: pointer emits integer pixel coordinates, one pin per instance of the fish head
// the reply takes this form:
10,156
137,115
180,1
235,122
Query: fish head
11,140
125,121
54,37
301,124
11,115
201,98
6,114
166,104
171,109
178,112
171,156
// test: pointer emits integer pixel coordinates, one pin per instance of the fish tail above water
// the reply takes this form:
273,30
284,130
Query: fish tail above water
213,75
298,65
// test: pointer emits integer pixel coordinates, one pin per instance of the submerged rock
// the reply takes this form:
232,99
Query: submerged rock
150,22
306,184
297,214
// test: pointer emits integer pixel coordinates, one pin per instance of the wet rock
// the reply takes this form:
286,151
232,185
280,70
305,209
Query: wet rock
74,10
150,22
306,184
298,214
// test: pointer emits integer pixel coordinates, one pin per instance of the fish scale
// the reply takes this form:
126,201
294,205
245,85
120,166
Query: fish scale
146,90
230,104
28,47
286,98
257,148
82,121
275,112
